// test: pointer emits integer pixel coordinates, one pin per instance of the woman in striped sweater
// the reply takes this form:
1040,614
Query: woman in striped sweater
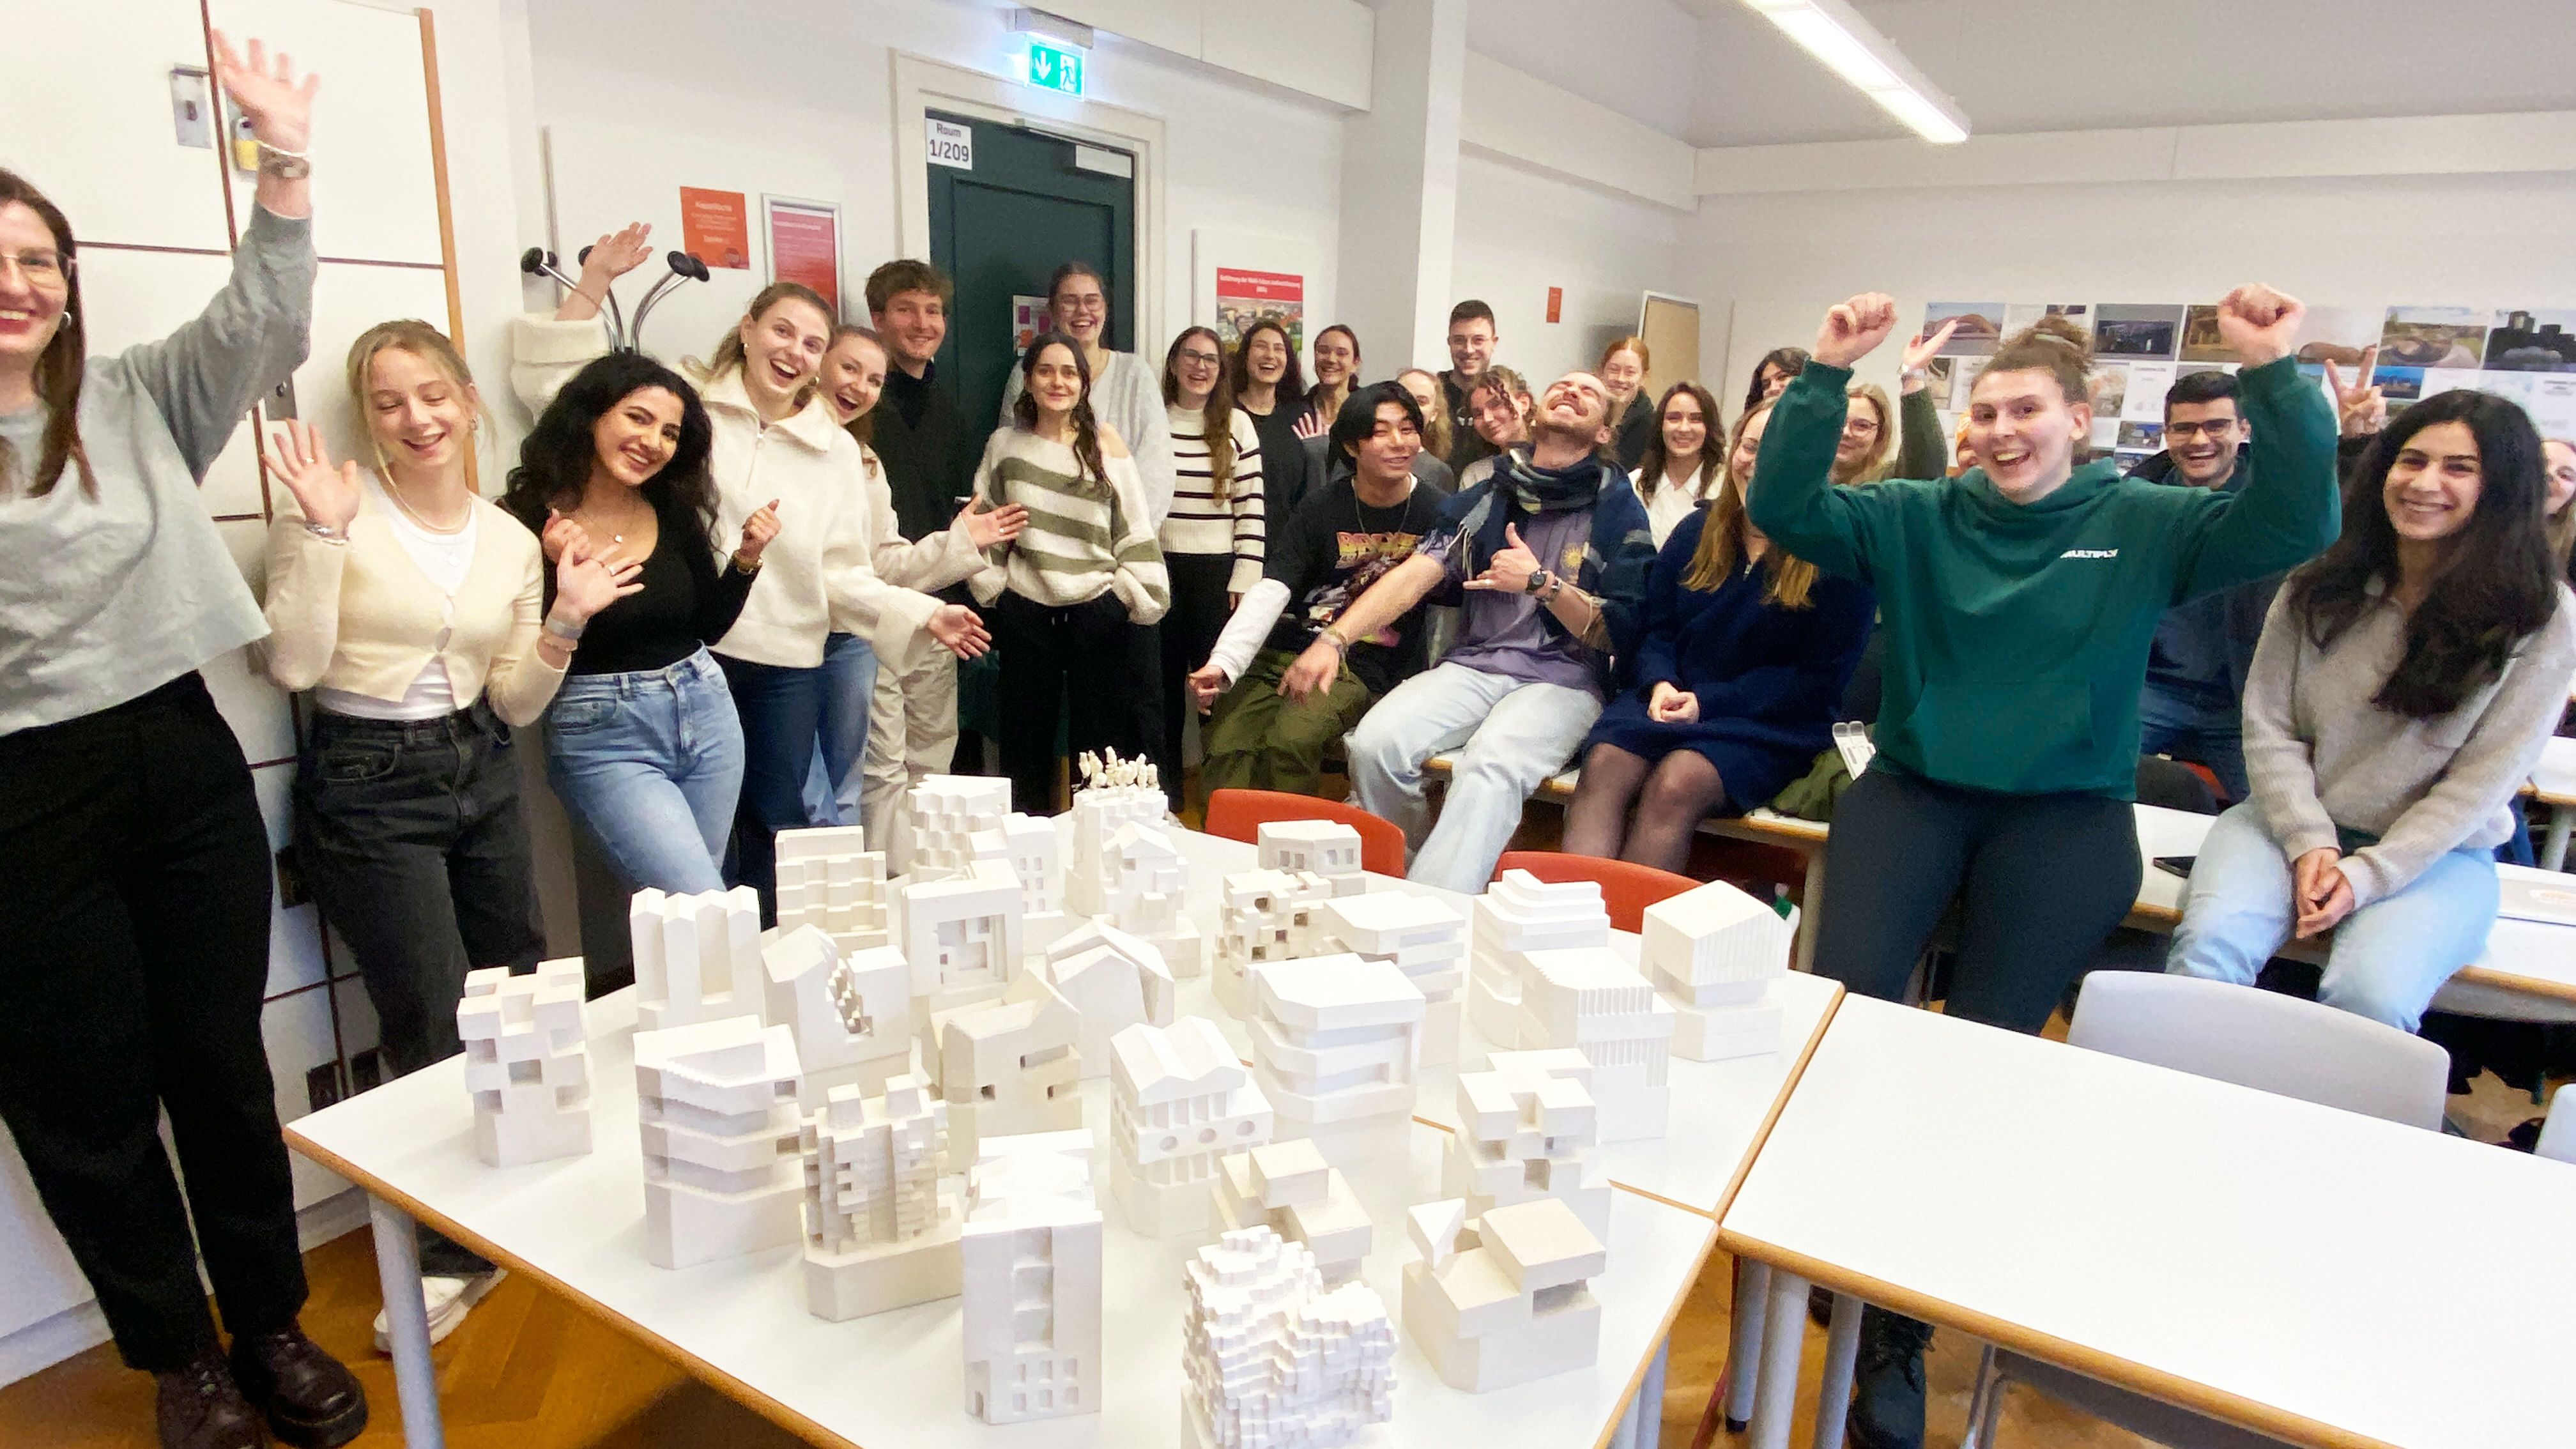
1071,595
1213,539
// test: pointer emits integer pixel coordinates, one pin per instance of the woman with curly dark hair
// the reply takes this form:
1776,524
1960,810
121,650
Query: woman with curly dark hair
642,742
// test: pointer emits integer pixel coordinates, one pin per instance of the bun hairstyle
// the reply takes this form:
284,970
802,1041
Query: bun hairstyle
2052,345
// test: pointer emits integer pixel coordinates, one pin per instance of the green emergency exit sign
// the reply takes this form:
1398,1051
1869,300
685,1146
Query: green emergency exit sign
1052,68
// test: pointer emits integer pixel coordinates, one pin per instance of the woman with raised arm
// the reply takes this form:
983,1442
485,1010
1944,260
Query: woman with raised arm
137,907
1683,462
1270,387
1214,540
1124,391
2017,602
1337,371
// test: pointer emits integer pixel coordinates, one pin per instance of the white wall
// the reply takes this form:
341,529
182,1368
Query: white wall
1520,234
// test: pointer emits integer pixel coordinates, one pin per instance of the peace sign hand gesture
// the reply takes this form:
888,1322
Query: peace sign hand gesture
2361,409
297,458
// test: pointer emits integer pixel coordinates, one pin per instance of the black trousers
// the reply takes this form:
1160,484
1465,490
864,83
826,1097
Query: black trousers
133,957
2041,880
1089,660
1187,633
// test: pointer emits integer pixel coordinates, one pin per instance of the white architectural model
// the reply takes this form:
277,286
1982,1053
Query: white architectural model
716,1101
1009,1067
1713,952
527,1063
697,958
1290,1189
1030,846
961,935
1115,980
1324,847
1180,1103
1031,1280
1506,1302
1587,998
1420,937
946,813
1126,868
829,879
851,1013
878,1235
1274,1360
1516,915
1264,916
1526,1131
1335,1039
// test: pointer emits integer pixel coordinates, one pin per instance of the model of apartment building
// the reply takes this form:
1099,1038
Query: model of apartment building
878,1235
527,1063
946,813
1335,1039
830,880
961,934
1290,1189
1035,854
1009,1067
1275,1361
1115,981
716,1102
1319,847
1713,952
697,957
851,1012
1516,915
1587,998
1264,916
1179,1103
1420,937
1030,1280
1125,867
1526,1130
1507,1301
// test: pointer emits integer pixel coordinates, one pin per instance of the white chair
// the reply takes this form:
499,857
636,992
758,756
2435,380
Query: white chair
2558,1129
2253,1038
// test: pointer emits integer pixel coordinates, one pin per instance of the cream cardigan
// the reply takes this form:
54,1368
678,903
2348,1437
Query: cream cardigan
360,616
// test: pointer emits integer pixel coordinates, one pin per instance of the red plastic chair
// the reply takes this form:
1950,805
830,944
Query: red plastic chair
1238,815
1626,890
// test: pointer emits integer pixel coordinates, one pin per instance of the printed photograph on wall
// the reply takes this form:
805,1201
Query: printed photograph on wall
1245,297
1028,319
805,244
1980,327
2334,334
2110,389
2136,331
2526,341
2200,339
2148,384
2141,437
2432,337
2400,385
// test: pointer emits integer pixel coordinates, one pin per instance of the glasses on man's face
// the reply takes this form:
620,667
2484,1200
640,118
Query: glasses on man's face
40,268
2216,431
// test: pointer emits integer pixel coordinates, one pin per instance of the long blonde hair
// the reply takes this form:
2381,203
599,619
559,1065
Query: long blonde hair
1872,465
1435,418
404,334
728,353
2559,528
1726,536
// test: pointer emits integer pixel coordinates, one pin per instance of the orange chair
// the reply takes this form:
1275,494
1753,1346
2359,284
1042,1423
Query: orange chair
1626,889
1238,815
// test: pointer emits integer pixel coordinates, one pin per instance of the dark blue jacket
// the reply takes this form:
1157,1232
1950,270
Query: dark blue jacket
1615,561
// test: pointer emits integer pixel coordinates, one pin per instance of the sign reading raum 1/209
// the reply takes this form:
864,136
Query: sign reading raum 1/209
1054,69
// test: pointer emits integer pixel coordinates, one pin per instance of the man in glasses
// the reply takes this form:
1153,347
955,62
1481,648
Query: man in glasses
2192,705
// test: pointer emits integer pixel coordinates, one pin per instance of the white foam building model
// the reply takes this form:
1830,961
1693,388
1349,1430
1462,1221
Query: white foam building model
1009,1067
1516,915
697,957
1507,1301
1264,916
961,937
1335,1039
851,1013
1587,998
527,1063
1035,854
1180,1102
830,880
878,1234
1526,1131
1321,847
1030,1279
1713,952
946,813
1115,981
1290,1189
716,1102
1420,937
1125,867
1274,1359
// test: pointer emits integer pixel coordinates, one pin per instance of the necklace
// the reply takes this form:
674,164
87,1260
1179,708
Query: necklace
616,536
393,490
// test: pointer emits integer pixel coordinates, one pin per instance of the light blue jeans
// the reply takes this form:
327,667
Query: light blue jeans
835,782
2388,958
1508,736
649,765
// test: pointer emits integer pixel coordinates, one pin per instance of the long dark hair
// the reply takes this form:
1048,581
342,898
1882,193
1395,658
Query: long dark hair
1789,360
1086,428
1216,418
556,460
2495,585
58,367
1292,383
1712,460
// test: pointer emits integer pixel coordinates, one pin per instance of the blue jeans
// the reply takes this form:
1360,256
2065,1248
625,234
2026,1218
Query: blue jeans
649,764
782,719
834,782
2388,958
2181,730
1509,735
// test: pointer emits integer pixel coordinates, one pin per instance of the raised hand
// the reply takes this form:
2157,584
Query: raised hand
279,107
1512,569
757,531
297,458
2361,409
958,631
617,253
1852,329
585,583
987,525
1920,352
560,535
1309,426
2259,323
1206,682
1667,705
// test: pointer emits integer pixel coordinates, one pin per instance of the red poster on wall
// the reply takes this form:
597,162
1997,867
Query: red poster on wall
715,227
1243,298
805,245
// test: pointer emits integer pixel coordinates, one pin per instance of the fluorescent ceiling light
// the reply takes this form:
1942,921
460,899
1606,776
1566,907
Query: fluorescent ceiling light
1832,32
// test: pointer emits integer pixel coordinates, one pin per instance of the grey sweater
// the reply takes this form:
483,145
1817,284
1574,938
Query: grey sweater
107,598
2321,755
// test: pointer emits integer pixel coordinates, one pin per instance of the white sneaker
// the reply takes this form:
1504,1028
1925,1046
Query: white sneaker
448,1301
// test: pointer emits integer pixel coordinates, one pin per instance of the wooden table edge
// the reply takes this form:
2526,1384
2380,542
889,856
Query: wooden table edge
2508,981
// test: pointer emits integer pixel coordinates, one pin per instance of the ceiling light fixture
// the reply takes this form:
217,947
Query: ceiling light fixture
1832,32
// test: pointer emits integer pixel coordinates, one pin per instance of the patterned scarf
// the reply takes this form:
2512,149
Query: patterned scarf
1548,490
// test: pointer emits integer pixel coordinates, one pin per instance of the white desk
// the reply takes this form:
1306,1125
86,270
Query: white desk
2309,1273
2553,783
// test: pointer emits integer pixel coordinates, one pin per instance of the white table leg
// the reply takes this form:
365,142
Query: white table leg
1842,1351
1625,1435
407,1323
1650,1399
1744,1340
1784,1324
2553,855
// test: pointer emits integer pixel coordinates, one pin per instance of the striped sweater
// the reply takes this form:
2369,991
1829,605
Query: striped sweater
1085,538
1199,523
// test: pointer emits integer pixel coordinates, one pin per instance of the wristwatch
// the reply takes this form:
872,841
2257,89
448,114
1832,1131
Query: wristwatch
283,164
1537,581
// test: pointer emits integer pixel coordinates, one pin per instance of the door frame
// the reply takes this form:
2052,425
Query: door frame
922,84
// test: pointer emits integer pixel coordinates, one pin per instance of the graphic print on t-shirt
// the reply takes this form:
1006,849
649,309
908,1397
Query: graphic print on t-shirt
1360,559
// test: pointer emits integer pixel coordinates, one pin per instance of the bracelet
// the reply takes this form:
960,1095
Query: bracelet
569,635
327,534
1555,586
283,164
1332,634
735,558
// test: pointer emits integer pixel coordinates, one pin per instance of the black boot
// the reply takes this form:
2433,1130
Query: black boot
1887,1387
311,1399
199,1407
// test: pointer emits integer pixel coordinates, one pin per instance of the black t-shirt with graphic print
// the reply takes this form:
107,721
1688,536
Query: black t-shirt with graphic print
1328,553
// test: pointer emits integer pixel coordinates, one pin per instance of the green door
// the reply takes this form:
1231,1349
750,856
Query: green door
999,229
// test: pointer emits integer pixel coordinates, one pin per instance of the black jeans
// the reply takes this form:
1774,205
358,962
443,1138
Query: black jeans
2040,881
133,955
1185,636
1089,659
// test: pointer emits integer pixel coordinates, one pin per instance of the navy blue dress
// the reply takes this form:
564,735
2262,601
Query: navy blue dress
1769,679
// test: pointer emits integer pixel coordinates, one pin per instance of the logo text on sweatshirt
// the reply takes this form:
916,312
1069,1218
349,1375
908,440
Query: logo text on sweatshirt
2090,553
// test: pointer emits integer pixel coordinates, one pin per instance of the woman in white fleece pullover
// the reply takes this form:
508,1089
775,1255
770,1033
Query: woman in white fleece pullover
2401,692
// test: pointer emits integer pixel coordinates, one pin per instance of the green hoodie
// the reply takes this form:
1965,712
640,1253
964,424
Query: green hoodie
2017,634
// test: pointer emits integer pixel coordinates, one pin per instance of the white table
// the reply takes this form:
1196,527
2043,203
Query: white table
2553,783
2320,1276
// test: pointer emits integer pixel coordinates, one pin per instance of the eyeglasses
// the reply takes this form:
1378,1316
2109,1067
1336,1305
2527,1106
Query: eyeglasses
40,268
1200,359
1863,426
2214,430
